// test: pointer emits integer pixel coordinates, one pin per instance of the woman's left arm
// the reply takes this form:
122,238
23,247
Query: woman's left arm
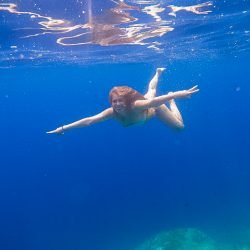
159,100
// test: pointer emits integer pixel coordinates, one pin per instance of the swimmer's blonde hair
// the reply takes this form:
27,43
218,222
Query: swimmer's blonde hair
129,94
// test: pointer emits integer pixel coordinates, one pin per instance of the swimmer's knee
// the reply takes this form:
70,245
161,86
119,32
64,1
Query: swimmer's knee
179,126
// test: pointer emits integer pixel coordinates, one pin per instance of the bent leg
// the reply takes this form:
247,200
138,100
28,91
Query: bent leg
174,109
170,116
153,84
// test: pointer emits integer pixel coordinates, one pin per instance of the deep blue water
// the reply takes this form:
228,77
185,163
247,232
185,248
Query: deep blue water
107,187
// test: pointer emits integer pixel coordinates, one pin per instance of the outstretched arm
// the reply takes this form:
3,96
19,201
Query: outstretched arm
159,100
104,115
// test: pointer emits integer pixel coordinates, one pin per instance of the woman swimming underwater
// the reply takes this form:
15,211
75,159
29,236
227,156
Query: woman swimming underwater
130,107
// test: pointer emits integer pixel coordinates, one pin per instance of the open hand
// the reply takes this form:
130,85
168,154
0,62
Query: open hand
59,130
187,93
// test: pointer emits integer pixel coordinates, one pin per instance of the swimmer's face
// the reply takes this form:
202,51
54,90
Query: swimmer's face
118,104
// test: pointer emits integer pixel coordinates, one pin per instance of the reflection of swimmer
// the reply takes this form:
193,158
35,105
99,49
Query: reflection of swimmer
130,107
105,29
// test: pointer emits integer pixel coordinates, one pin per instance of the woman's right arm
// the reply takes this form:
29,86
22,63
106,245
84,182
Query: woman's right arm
103,116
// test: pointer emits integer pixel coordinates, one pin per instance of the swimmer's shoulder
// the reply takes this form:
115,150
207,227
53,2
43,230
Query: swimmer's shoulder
106,114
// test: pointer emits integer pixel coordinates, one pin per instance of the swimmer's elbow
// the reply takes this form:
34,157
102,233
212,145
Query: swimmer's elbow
87,122
96,119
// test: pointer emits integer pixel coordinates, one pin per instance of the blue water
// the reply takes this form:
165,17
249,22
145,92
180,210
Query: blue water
107,187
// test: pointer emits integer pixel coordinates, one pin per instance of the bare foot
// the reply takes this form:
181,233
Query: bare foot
160,70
